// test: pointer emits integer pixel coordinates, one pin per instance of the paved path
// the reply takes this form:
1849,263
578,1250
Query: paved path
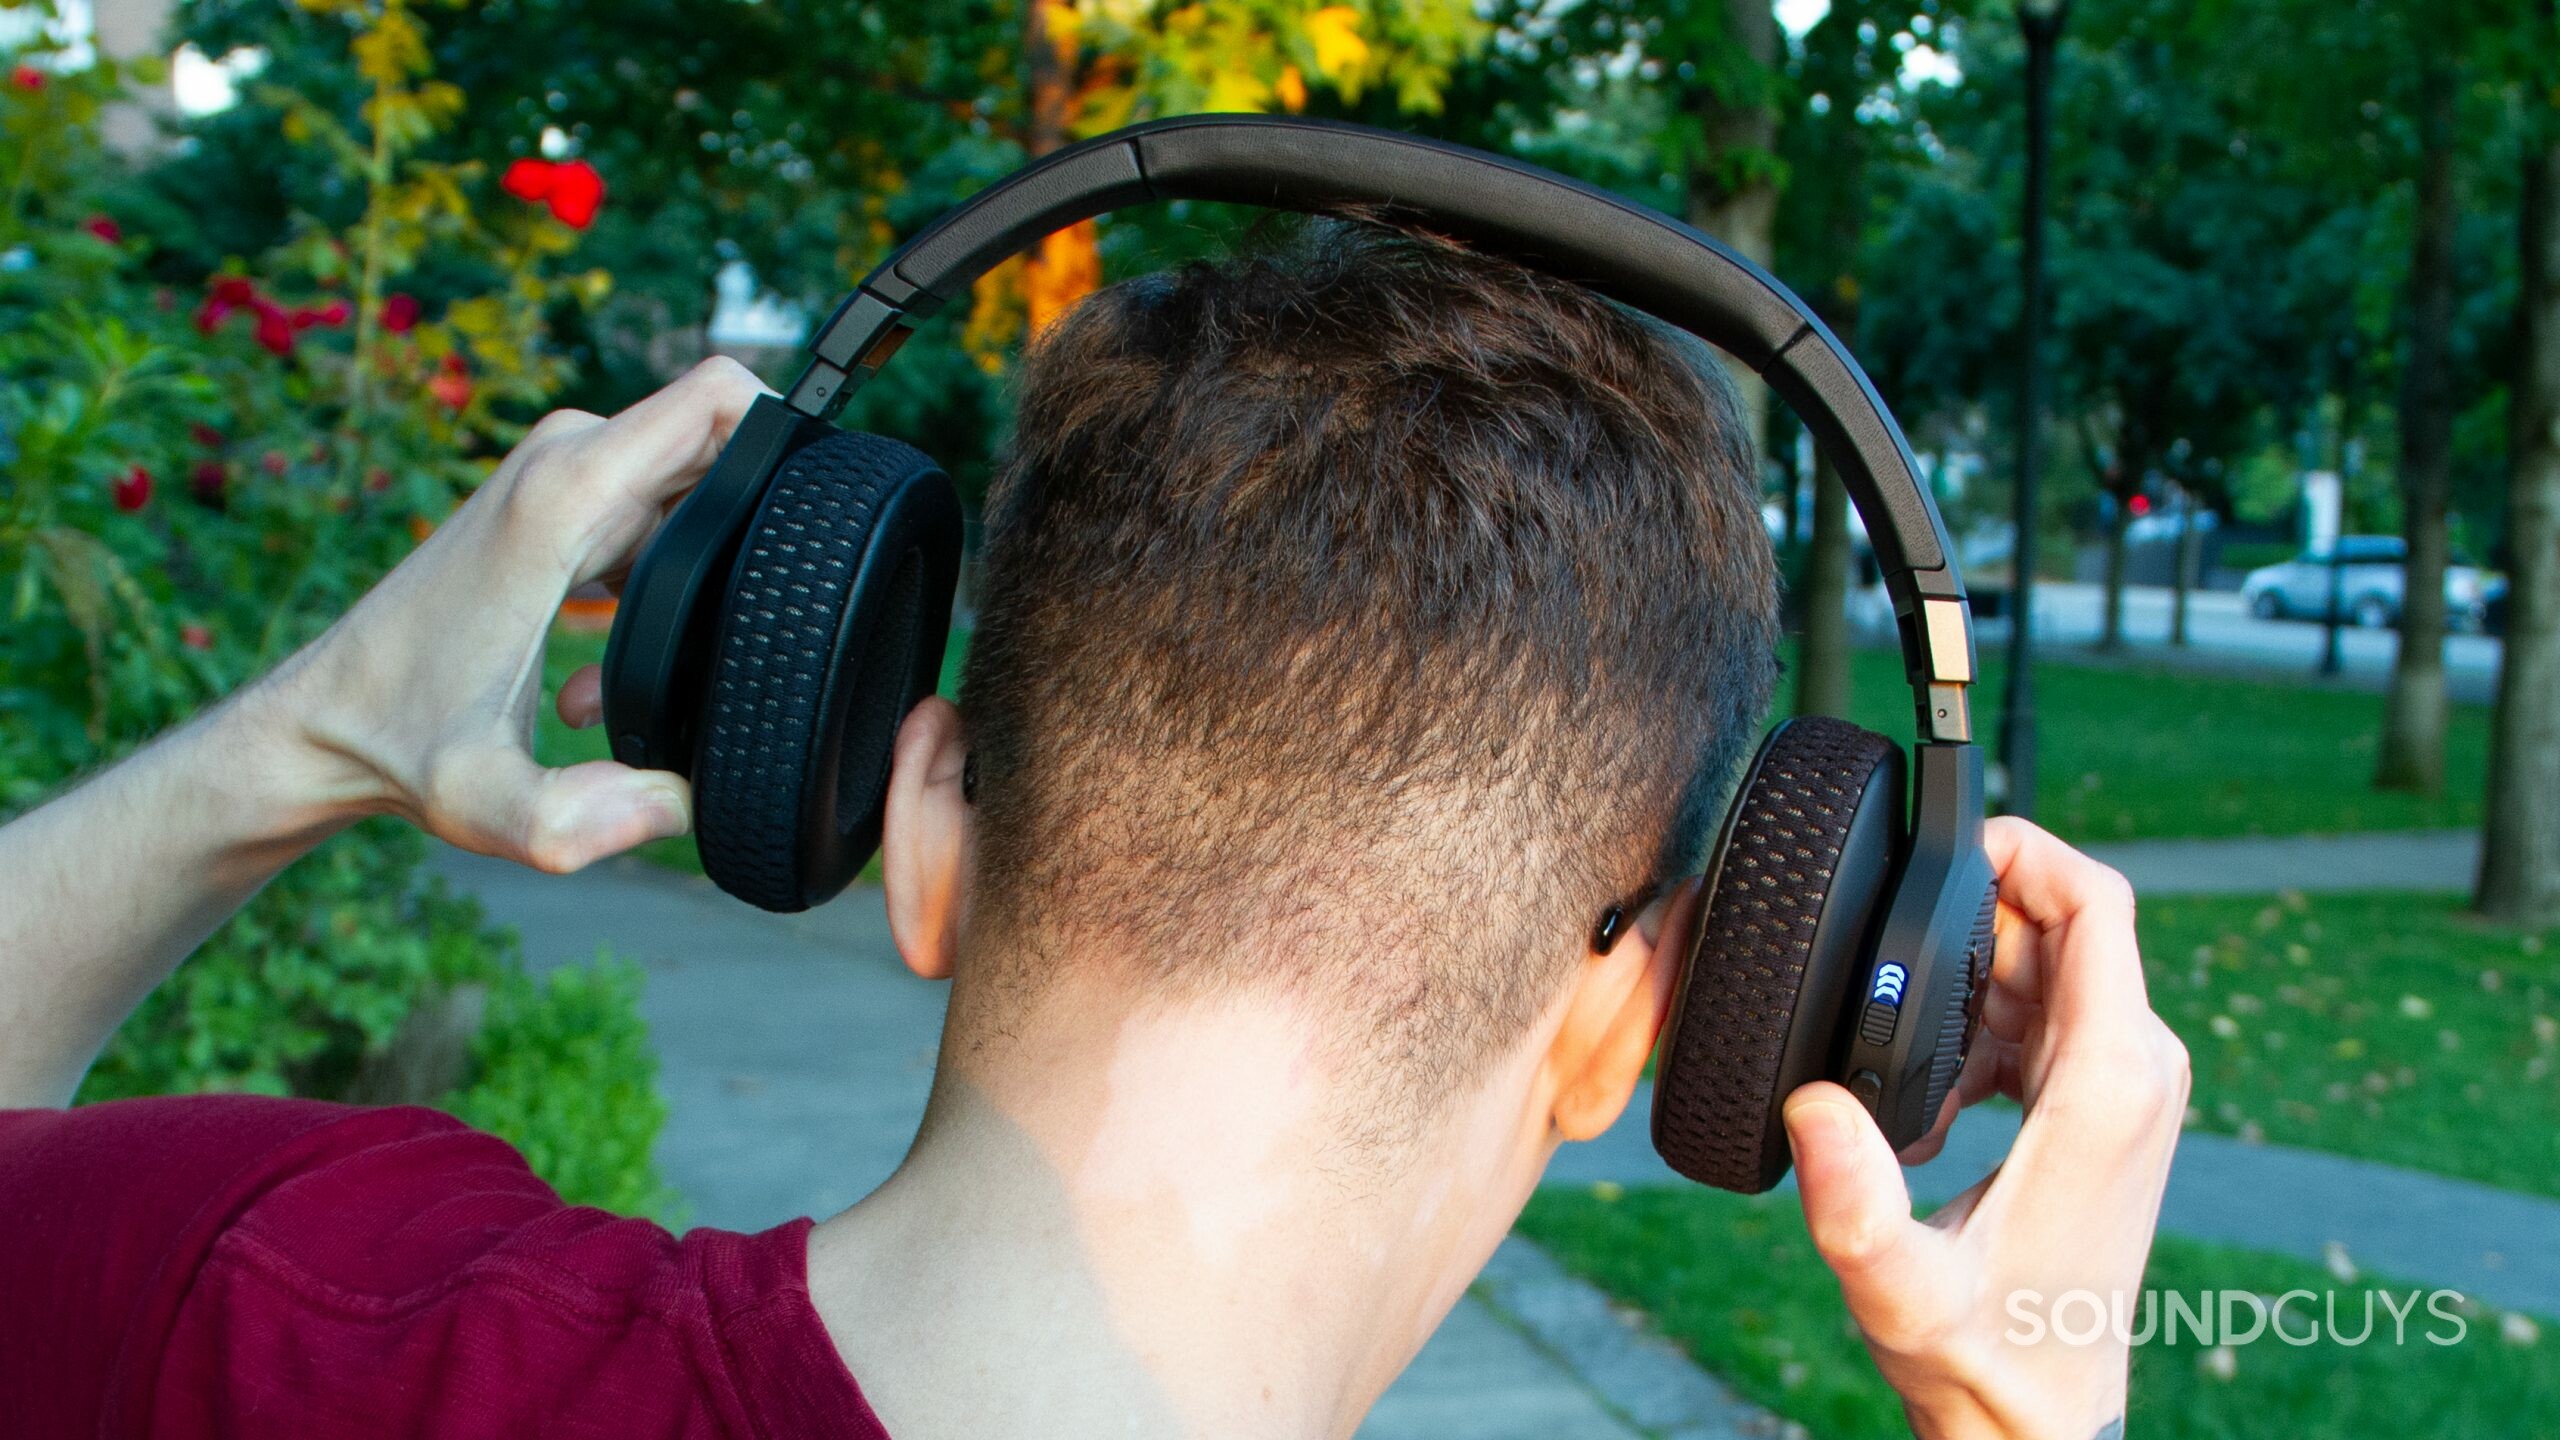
2405,860
795,1053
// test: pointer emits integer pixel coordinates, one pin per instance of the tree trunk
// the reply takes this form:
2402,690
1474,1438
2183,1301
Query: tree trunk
2412,755
1822,659
2111,633
2520,841
1731,196
2182,569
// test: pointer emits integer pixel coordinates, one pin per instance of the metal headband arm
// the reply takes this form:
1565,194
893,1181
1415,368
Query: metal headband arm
1552,224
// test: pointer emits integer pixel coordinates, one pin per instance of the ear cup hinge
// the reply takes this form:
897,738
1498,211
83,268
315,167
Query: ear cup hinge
1937,648
851,347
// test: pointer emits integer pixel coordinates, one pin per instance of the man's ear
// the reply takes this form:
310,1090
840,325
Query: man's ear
924,842
1616,1012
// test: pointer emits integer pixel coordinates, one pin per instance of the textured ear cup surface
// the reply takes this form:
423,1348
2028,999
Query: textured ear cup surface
1808,848
1964,1007
832,630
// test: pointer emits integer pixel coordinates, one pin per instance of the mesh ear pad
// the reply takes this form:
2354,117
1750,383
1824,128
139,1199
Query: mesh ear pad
1807,850
832,630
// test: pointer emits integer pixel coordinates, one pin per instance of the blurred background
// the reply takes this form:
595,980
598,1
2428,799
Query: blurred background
2227,332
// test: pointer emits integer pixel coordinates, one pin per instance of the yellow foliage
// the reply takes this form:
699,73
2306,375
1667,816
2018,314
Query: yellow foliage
995,314
1027,293
1237,90
394,49
1066,268
1335,33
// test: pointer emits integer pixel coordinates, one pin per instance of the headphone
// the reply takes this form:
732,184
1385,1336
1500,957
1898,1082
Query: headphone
794,608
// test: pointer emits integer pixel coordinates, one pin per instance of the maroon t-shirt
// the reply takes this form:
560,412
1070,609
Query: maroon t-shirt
238,1266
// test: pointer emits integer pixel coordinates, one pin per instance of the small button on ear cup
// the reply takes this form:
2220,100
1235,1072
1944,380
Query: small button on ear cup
833,628
1809,846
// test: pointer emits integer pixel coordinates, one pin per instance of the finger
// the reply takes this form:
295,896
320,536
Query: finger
1859,1213
666,441
2089,968
2017,956
581,699
2009,1017
2044,879
497,801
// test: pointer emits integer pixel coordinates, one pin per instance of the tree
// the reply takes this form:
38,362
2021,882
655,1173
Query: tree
1734,175
1853,124
2384,101
2519,878
2412,752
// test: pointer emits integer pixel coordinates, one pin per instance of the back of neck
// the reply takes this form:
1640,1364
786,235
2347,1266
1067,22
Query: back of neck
1144,1224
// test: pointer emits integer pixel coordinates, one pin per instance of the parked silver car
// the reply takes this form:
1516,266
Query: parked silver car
2370,585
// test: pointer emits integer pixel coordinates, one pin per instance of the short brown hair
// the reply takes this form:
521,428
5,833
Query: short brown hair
1360,619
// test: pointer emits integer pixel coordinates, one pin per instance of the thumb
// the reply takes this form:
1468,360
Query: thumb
1859,1211
559,820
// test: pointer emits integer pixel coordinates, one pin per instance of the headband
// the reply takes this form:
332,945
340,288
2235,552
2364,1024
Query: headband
1549,223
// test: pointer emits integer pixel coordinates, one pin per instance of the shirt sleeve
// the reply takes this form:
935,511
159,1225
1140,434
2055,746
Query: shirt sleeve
107,1213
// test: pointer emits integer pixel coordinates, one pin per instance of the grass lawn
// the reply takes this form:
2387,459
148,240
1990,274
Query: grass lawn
1735,1280
2389,1026
2139,753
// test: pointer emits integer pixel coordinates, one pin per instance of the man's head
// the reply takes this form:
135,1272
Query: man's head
1356,625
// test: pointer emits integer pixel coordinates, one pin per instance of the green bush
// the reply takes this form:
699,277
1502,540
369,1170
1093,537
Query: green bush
202,471
314,977
563,1070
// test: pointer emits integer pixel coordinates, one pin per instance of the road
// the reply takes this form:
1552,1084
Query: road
2221,636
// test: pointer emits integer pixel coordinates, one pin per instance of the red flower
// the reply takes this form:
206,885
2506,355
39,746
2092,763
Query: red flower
132,489
27,78
577,193
452,385
105,228
274,463
275,328
376,480
207,481
400,314
574,190
333,314
227,293
205,435
195,636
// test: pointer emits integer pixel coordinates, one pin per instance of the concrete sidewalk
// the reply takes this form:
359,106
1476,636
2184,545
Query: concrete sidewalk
2386,860
795,1054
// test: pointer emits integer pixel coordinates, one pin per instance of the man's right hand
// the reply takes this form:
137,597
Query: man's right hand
2068,1032
423,695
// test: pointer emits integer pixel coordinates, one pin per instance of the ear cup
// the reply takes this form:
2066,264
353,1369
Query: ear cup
834,627
1964,1006
1808,849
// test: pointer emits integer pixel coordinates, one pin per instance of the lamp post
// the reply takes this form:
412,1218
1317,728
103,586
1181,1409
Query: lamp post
2041,22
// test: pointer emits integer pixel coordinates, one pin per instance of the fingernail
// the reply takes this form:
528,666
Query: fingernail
669,814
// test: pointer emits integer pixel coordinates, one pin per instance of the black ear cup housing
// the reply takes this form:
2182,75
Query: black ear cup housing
833,628
1809,848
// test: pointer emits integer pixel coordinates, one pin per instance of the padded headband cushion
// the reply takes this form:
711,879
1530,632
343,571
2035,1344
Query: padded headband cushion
833,629
1808,850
